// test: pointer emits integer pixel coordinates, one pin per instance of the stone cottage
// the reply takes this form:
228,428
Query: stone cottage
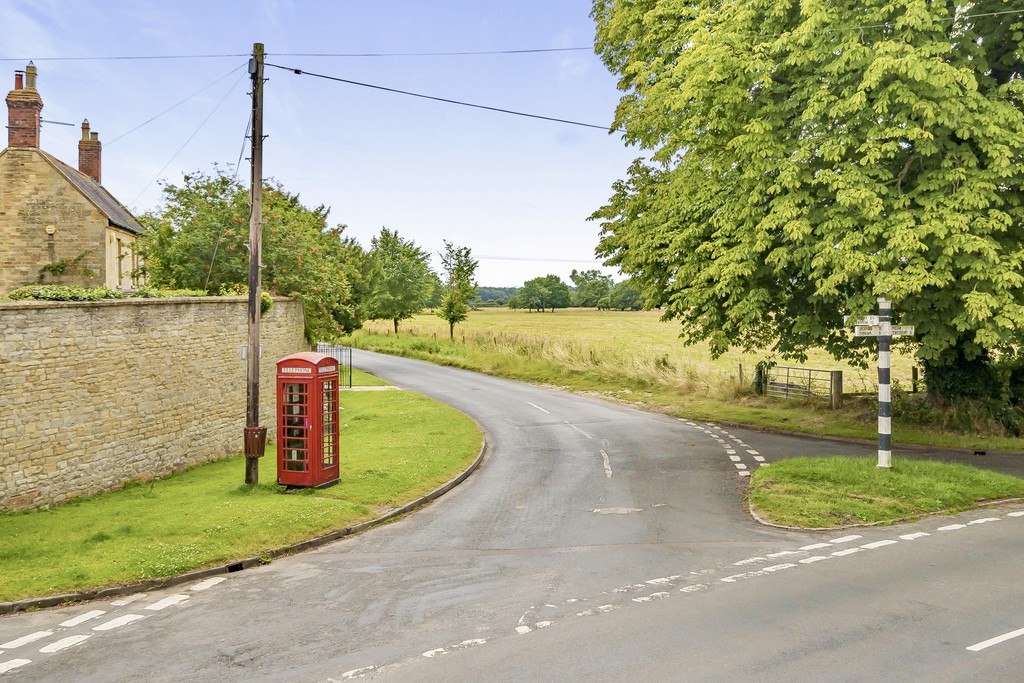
58,224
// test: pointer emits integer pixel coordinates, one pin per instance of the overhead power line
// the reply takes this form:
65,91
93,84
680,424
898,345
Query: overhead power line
301,72
194,133
175,106
117,58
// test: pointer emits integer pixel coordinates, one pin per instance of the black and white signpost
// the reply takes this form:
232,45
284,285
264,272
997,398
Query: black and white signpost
881,327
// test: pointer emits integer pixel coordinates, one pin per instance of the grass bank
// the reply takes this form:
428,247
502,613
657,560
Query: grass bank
633,356
395,447
834,492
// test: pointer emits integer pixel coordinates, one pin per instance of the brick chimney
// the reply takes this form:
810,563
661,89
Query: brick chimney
89,149
24,107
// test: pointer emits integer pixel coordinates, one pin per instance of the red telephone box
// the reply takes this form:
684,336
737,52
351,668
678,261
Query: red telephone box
307,420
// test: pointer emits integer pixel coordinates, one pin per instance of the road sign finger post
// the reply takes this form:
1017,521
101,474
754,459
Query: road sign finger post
880,326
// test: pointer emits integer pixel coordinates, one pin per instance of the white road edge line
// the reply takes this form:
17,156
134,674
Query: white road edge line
977,647
548,412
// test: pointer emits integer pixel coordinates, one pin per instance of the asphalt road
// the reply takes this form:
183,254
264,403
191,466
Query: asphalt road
595,543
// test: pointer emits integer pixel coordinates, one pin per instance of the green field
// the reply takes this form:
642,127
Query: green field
630,340
635,357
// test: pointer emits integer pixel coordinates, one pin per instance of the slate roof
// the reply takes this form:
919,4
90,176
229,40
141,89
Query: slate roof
98,195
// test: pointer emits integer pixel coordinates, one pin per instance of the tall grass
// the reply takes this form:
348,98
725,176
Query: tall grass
556,359
635,349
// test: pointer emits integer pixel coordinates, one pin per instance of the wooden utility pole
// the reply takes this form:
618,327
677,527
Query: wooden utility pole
255,435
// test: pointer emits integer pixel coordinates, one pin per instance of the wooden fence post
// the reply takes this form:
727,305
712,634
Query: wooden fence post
837,389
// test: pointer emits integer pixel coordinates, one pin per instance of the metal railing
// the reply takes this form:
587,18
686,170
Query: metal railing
342,354
793,382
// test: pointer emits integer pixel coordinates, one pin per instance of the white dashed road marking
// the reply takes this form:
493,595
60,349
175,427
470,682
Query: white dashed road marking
167,602
25,640
547,412
64,643
911,537
579,430
82,618
878,544
977,647
209,583
845,539
117,623
13,664
816,546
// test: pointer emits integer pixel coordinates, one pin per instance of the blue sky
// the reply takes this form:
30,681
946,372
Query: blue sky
516,191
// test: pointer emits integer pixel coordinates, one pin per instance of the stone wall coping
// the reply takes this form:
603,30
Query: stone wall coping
140,301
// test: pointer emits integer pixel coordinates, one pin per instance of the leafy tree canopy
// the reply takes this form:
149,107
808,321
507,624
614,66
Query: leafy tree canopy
545,292
198,240
402,279
805,158
459,286
625,296
591,286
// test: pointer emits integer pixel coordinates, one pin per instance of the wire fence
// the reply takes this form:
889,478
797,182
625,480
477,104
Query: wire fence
342,354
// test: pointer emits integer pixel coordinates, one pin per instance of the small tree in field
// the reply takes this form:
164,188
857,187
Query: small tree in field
459,287
402,280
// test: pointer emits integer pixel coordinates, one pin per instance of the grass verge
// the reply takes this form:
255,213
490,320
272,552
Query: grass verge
396,446
833,492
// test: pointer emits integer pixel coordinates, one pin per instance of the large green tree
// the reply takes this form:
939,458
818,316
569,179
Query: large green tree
545,292
402,281
804,158
591,286
458,285
198,239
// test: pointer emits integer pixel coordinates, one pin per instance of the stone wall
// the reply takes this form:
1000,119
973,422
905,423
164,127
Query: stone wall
94,395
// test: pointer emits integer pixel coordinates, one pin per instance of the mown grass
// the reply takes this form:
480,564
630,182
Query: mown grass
840,491
395,447
633,356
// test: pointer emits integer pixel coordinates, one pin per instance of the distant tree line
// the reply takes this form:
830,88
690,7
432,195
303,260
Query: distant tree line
590,289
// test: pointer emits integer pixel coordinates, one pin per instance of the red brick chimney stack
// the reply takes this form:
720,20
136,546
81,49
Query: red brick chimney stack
89,149
24,107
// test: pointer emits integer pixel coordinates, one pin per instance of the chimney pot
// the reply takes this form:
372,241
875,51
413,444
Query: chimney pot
89,152
24,107
30,76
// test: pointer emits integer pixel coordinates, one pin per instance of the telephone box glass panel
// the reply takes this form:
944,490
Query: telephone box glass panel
330,425
296,427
